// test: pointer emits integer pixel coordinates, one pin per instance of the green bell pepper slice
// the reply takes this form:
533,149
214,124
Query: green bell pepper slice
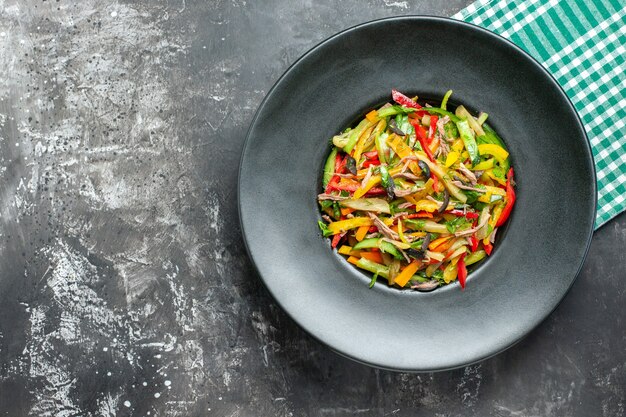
467,134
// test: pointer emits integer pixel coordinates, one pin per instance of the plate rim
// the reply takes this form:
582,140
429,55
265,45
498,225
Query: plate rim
445,20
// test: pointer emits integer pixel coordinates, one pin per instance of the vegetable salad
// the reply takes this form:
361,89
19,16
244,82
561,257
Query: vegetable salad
415,194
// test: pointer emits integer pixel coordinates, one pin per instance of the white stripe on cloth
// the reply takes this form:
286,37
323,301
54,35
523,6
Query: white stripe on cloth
529,18
617,16
608,132
599,45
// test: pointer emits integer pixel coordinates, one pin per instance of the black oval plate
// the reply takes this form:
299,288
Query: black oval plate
531,268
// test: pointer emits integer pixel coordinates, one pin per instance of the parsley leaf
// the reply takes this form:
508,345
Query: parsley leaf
456,224
373,281
324,228
414,224
325,204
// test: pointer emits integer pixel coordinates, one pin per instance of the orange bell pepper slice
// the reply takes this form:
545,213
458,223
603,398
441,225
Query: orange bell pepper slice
438,242
373,256
361,232
406,274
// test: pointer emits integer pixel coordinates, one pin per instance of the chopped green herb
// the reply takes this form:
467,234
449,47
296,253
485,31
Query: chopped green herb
438,275
324,204
472,196
324,229
336,210
451,131
457,224
499,172
479,205
414,224
393,110
420,278
373,281
444,102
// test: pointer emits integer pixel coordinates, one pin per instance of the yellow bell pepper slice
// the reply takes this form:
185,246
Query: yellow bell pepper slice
491,175
451,158
434,146
450,273
438,256
495,190
396,170
402,150
372,116
491,149
369,141
403,277
358,149
397,144
416,234
414,198
426,205
361,173
456,255
481,166
401,232
410,199
458,145
388,221
345,250
485,198
442,175
361,191
343,225
497,211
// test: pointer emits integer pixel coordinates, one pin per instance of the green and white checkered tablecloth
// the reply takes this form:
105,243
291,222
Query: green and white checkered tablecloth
583,44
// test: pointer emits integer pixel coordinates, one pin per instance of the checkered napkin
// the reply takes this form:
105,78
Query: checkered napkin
583,44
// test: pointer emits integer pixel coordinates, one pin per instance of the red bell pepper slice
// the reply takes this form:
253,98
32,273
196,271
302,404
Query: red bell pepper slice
460,213
370,155
433,128
336,240
372,229
488,248
435,182
510,200
376,191
334,181
473,243
420,215
370,162
461,271
338,162
420,133
403,100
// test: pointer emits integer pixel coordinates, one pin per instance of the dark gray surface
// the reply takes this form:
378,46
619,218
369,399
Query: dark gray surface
122,270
